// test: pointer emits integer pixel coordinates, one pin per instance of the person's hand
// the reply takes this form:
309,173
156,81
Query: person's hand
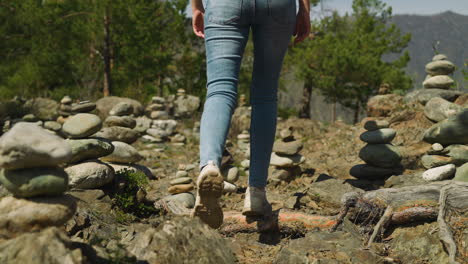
302,29
197,23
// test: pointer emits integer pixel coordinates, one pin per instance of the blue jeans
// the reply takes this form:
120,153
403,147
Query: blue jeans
227,26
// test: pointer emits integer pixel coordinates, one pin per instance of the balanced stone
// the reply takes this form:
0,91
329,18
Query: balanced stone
85,149
27,145
159,115
123,153
53,125
30,118
89,175
122,121
432,161
143,123
82,125
178,138
458,153
66,100
452,130
83,107
121,109
381,155
181,174
182,180
287,148
155,107
35,182
440,82
123,134
436,147
439,173
286,161
380,136
181,188
439,57
462,173
186,199
372,125
441,67
364,171
438,109
27,215
158,100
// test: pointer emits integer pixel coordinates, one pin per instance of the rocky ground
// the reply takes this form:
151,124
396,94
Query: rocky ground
112,181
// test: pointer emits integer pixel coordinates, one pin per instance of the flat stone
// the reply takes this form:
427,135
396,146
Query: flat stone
441,67
372,125
159,115
28,215
364,171
155,107
181,188
439,57
118,133
439,173
380,136
381,155
27,145
158,100
148,138
438,109
53,125
439,82
123,153
285,174
84,107
424,95
181,174
30,118
82,125
122,121
462,173
286,161
287,148
121,109
186,199
86,149
432,161
35,181
182,180
452,130
89,175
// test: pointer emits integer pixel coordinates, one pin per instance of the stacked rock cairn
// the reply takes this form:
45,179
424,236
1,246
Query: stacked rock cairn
285,158
68,108
243,146
181,187
162,128
381,157
438,71
31,159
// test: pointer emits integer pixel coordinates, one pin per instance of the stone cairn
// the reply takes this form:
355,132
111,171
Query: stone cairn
68,108
438,71
285,158
243,146
30,158
381,157
185,105
181,187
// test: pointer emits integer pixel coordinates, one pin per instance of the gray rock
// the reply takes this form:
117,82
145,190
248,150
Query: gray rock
162,128
245,163
42,108
380,136
439,82
439,57
163,115
27,145
372,125
424,95
458,153
381,155
286,161
30,118
436,148
105,104
122,121
441,67
186,105
158,100
35,181
186,199
181,174
27,215
232,174
89,175
462,173
143,123
181,180
52,125
148,138
287,148
364,171
123,134
285,174
438,109
452,130
66,100
432,161
121,109
439,173
155,107
82,125
123,153
86,149
83,107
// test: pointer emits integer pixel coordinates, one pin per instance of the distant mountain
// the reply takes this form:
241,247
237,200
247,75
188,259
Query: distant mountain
449,29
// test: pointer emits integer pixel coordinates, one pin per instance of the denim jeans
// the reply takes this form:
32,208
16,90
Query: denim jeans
227,27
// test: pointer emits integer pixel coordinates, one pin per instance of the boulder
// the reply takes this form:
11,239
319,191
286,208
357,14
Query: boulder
162,128
383,105
122,121
143,123
123,153
439,82
438,109
27,215
35,181
123,134
83,107
42,108
105,104
462,173
432,161
121,109
439,173
380,136
85,149
82,125
186,105
381,155
364,171
89,175
287,148
440,67
27,145
424,95
186,199
452,130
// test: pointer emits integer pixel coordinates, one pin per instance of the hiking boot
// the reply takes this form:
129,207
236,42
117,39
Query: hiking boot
256,203
209,190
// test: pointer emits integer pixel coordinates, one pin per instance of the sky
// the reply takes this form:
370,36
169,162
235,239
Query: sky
418,7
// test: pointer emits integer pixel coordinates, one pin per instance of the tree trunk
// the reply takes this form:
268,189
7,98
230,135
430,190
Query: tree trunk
304,111
107,57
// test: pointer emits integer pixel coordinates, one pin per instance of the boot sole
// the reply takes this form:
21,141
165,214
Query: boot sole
210,189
